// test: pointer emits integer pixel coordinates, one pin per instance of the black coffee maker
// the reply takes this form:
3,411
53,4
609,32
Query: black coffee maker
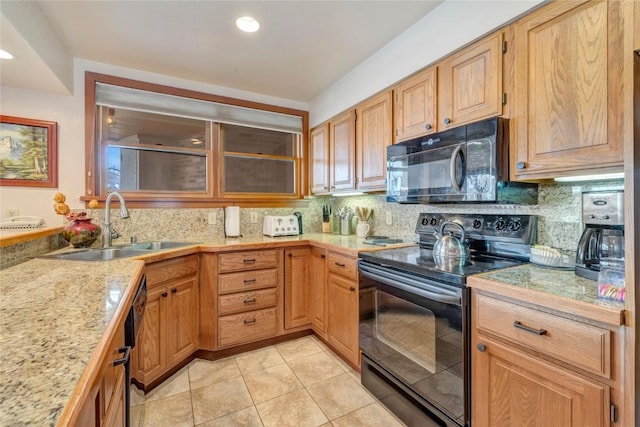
603,237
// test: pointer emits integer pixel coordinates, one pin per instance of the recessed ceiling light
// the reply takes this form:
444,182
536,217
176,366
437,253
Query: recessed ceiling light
5,55
247,24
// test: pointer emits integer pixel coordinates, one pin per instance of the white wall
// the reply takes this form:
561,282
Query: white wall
68,112
448,27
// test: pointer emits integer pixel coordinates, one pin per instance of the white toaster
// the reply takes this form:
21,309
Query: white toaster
285,225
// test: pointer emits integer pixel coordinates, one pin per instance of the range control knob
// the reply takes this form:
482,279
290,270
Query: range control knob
476,224
500,224
434,221
425,221
515,225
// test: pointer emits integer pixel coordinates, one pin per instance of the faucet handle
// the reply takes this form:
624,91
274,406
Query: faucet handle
114,233
134,240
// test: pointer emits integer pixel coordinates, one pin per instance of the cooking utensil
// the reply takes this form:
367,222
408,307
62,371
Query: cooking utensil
450,246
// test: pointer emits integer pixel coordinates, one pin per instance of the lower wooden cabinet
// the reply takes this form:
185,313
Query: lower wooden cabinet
297,288
318,283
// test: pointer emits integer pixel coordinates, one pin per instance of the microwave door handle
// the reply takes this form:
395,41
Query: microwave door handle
452,168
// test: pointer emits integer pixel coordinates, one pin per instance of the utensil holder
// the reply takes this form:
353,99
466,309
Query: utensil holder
345,227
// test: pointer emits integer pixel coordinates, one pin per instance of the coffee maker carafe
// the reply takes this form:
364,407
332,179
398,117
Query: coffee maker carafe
602,239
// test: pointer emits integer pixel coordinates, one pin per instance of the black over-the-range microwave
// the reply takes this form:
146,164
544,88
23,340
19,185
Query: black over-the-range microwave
466,164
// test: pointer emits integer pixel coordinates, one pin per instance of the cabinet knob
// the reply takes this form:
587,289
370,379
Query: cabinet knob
352,289
428,126
521,165
290,255
447,121
481,347
323,256
174,290
164,294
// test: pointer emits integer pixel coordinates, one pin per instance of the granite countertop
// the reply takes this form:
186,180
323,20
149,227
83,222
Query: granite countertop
54,313
560,290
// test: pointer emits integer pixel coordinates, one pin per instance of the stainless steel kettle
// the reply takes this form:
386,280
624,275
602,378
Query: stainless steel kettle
449,246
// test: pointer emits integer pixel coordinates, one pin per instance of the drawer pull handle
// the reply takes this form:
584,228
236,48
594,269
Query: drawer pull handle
249,301
519,325
249,321
249,280
125,359
249,260
339,264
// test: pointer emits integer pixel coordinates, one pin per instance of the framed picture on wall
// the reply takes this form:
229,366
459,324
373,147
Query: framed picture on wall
28,152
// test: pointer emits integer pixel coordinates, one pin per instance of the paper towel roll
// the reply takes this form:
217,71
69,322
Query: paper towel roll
232,221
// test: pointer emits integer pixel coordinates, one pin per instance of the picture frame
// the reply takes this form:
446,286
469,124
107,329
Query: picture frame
28,152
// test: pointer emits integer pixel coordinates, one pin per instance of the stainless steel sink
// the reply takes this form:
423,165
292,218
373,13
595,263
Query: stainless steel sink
103,254
158,245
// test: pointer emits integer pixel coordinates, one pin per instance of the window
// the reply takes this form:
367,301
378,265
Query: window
167,146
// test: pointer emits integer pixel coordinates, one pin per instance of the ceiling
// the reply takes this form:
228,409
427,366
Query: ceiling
301,49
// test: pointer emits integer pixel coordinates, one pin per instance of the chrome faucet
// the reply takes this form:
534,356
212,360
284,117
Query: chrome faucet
109,233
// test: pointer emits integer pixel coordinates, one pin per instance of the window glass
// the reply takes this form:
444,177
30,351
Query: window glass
256,175
243,139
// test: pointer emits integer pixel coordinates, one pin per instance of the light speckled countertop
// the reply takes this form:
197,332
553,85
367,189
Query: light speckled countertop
53,313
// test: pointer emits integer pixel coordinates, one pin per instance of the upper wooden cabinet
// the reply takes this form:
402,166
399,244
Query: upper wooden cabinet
470,83
568,83
342,136
319,159
415,105
373,135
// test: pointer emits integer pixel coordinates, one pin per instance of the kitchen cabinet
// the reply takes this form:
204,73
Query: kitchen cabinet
297,288
470,83
170,328
373,135
568,86
531,367
248,295
415,105
318,283
342,145
319,159
342,303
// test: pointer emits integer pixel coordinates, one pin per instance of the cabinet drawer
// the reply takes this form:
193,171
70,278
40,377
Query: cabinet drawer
583,346
162,271
250,260
247,280
344,265
246,327
246,301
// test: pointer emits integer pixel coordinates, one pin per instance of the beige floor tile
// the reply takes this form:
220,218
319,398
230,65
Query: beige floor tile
258,360
178,383
220,399
204,372
136,415
296,349
339,395
246,418
174,411
296,409
374,415
271,382
137,396
315,368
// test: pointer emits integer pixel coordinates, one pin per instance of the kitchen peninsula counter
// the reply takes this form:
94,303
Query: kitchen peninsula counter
57,316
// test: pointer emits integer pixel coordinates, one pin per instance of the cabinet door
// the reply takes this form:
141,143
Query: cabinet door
342,137
115,412
318,282
182,319
470,83
373,135
342,325
319,159
568,83
415,105
510,388
296,288
150,356
112,376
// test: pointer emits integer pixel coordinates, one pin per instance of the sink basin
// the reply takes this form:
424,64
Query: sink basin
158,245
105,254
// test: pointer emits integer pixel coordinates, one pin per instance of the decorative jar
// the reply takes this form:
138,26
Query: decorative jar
81,232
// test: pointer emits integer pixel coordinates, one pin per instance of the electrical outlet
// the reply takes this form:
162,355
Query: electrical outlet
254,217
12,212
212,218
389,218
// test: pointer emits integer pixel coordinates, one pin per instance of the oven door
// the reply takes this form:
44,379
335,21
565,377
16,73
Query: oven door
413,338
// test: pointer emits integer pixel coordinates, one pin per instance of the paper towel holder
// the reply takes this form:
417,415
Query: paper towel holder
232,221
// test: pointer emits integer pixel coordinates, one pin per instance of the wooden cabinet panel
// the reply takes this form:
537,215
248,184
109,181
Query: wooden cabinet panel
183,320
150,353
318,281
162,271
373,135
510,388
569,98
249,260
584,346
342,135
243,301
246,327
415,105
344,265
297,310
111,385
470,83
115,415
342,322
319,159
247,280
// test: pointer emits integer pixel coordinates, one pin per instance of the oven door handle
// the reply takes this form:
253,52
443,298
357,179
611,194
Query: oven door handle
410,285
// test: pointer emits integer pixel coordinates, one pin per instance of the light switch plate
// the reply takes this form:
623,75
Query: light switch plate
254,217
212,218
